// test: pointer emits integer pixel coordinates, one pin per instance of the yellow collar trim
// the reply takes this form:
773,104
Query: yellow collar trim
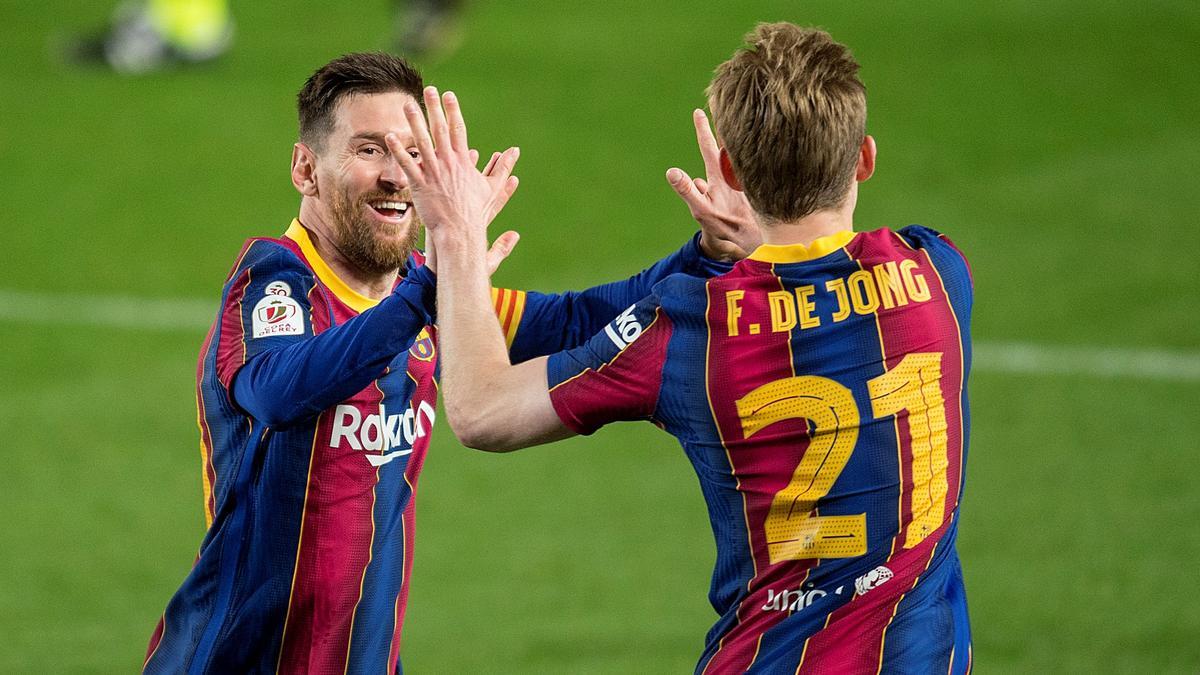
352,298
792,253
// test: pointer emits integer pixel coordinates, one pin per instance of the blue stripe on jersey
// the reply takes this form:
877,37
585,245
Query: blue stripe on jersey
937,606
831,351
377,606
229,562
956,279
685,413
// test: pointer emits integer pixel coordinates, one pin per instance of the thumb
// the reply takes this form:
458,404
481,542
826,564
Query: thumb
687,190
678,179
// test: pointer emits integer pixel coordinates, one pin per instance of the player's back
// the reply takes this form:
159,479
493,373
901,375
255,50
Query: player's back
829,434
820,394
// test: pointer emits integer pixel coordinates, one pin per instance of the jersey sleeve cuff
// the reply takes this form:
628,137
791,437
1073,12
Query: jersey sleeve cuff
568,418
419,289
696,264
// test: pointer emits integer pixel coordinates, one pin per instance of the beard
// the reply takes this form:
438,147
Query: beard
362,242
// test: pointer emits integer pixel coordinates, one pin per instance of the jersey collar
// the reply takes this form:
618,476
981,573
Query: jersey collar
350,297
792,253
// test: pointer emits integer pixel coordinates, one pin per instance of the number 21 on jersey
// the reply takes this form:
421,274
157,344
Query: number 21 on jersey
793,530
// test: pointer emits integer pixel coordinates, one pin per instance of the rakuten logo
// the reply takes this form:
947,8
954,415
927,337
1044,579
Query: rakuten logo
627,328
382,432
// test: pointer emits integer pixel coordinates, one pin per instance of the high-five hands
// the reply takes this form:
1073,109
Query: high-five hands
728,230
451,195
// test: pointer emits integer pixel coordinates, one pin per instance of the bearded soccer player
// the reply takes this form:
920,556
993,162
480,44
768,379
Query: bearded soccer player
316,389
819,388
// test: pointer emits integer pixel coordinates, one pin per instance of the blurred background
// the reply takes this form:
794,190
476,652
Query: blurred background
1055,141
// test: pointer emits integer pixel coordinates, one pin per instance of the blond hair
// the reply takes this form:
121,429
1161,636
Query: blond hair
791,113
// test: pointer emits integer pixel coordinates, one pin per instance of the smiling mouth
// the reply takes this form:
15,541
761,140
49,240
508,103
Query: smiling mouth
391,208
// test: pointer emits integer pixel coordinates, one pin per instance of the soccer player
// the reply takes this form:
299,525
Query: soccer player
145,36
819,388
317,386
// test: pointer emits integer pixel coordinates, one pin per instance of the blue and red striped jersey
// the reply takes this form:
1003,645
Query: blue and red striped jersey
315,406
820,393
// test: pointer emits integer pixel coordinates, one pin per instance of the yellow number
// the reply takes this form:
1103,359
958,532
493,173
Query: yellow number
915,385
793,531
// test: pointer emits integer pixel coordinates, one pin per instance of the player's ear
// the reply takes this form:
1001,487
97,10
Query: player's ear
866,159
727,171
304,170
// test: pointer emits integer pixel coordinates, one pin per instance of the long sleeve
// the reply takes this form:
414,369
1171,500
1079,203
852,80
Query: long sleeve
284,377
537,324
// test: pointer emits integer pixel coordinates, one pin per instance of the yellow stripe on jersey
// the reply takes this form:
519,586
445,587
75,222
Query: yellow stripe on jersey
352,298
510,307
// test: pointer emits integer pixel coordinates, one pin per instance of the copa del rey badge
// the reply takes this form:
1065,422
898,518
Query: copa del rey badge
277,313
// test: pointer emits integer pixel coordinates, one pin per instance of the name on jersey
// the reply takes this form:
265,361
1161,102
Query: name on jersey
885,285
390,435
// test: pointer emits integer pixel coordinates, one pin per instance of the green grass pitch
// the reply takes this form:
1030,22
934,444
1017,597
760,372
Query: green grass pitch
1055,141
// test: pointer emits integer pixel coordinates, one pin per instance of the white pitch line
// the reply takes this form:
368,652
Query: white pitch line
190,315
1092,361
108,311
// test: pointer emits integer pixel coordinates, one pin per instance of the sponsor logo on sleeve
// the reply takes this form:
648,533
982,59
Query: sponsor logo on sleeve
624,329
277,313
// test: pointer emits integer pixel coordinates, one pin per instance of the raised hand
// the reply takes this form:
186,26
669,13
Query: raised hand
449,192
728,230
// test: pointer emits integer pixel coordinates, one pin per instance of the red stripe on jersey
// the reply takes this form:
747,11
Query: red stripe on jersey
625,388
335,547
499,301
506,320
852,640
916,328
319,309
155,640
744,354
231,348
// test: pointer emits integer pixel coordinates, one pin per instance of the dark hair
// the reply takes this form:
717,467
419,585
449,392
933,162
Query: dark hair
349,75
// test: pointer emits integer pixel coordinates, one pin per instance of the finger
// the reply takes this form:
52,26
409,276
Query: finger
504,164
438,126
424,143
408,164
501,196
458,126
501,248
473,154
701,185
685,187
710,152
487,170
